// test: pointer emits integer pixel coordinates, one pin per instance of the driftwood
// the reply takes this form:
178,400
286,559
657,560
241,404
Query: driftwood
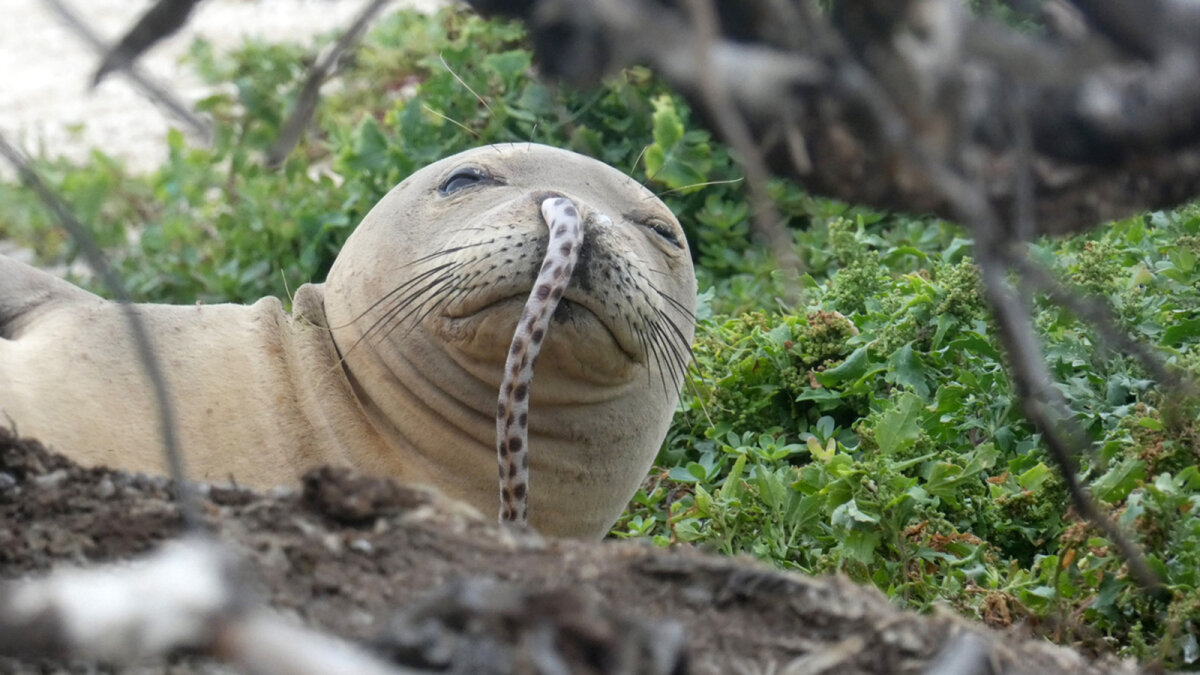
401,580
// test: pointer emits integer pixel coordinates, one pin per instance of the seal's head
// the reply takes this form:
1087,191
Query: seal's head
424,298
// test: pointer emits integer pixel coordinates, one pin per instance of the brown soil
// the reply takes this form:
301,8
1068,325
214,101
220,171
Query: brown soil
431,586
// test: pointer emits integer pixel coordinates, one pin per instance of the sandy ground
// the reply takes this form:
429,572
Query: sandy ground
45,101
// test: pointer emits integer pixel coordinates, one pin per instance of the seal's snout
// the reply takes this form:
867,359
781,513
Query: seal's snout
539,197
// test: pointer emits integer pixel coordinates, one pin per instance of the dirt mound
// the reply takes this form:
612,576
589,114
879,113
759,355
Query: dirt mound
430,585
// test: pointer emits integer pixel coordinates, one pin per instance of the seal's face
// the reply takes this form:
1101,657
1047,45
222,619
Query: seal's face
432,284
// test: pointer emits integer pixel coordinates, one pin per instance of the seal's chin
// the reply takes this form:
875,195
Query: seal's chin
578,339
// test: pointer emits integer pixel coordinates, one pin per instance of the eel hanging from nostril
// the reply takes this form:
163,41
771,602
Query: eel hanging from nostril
512,411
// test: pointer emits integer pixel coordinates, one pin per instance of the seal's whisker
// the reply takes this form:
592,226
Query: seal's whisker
683,340
387,296
661,350
450,251
655,356
399,306
431,292
683,309
640,334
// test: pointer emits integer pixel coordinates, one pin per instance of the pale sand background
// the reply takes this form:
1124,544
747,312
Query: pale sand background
45,69
47,108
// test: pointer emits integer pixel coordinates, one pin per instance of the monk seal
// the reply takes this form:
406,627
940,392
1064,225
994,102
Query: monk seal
393,364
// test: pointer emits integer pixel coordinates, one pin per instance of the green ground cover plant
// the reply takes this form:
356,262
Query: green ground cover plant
869,429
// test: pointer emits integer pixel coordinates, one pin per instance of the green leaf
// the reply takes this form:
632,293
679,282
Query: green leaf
1035,477
823,454
508,65
906,367
675,159
860,545
900,425
944,479
1120,480
854,367
1180,332
846,515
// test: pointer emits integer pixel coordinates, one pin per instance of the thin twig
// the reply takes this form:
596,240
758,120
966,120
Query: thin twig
1043,405
1094,311
764,218
306,102
161,20
153,91
1040,401
137,328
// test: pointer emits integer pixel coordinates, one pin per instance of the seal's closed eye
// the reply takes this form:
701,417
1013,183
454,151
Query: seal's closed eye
663,230
464,177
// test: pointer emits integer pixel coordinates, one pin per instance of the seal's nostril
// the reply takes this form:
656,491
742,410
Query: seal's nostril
543,195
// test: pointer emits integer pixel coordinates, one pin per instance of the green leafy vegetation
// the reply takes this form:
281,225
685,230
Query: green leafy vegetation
870,430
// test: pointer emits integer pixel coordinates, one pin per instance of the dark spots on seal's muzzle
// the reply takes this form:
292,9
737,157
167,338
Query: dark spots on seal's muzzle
501,409
503,453
517,345
538,335
524,421
543,291
519,490
512,472
520,392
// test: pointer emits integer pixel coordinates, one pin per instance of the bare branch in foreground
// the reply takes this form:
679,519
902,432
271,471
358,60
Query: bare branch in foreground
189,595
145,347
306,102
151,90
160,21
1113,130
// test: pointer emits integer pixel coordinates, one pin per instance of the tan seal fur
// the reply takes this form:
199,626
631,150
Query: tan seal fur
393,365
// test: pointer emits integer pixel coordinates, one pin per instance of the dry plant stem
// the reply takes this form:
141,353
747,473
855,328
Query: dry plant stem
765,219
153,91
306,102
145,348
1095,311
1043,405
1027,365
512,410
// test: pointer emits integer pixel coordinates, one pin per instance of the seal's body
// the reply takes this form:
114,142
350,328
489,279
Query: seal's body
393,365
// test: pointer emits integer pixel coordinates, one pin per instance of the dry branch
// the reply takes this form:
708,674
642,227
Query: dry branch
1114,114
189,595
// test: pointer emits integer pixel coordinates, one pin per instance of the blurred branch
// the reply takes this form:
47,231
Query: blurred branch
146,355
189,595
1114,114
161,20
322,68
150,89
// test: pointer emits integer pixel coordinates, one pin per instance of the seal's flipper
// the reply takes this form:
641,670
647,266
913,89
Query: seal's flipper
26,291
